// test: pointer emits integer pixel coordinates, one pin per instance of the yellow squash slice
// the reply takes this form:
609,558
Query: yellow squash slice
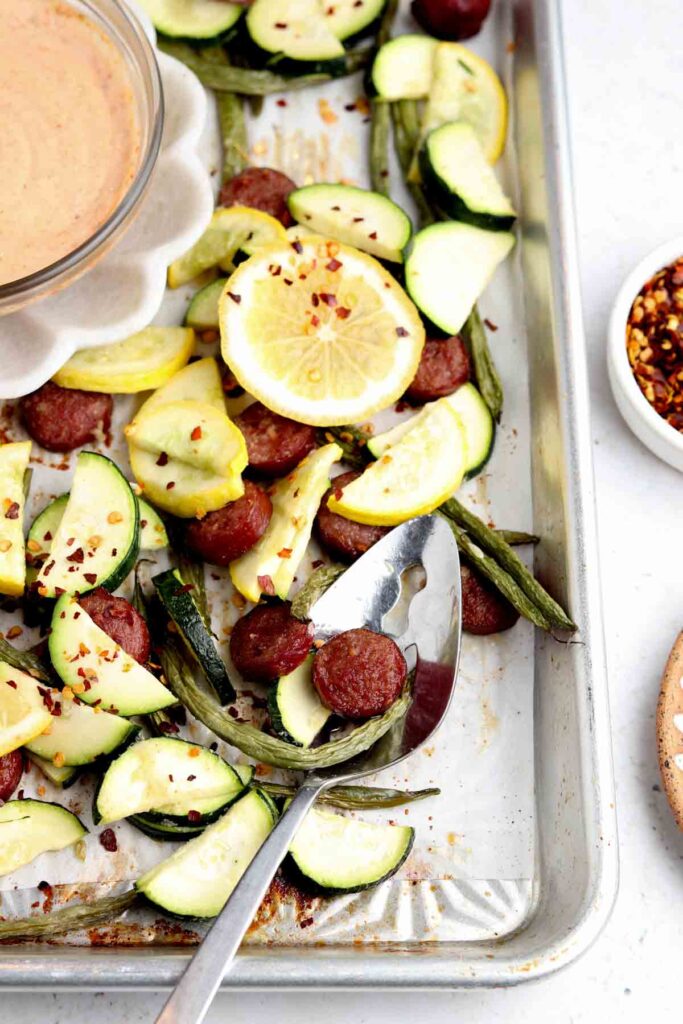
146,360
194,433
199,382
13,464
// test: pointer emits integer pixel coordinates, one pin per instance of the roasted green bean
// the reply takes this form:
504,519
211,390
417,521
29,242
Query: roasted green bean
354,797
68,919
485,370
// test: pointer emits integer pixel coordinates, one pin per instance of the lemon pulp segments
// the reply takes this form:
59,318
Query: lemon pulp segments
319,332
413,476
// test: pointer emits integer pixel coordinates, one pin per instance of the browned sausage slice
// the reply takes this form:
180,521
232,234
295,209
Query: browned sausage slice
444,366
341,537
61,419
120,621
269,642
275,444
262,188
11,770
484,609
359,673
229,532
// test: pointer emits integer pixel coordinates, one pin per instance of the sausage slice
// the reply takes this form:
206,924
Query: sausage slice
484,609
444,366
262,188
341,537
275,444
120,621
359,673
269,642
229,532
61,419
11,770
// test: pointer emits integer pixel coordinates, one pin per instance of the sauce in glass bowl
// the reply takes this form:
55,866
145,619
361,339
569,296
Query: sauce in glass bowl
70,138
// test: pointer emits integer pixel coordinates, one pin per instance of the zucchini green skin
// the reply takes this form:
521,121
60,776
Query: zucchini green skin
308,883
164,829
452,205
179,604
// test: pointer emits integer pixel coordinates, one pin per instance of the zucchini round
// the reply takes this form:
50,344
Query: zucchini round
192,19
80,735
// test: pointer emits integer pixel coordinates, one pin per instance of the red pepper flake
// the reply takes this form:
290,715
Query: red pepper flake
185,589
373,236
108,840
191,778
489,323
281,103
315,299
402,332
196,434
76,556
266,585
342,312
235,298
297,246
47,536
358,220
287,281
10,682
162,460
170,777
170,485
315,321
333,265
275,270
167,727
328,298
281,24
284,553
89,577
317,563
194,817
13,511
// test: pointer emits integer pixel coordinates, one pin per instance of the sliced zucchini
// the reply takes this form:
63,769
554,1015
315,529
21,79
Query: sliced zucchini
13,465
356,216
197,879
297,29
479,426
192,19
143,361
31,827
333,854
98,538
199,381
165,829
153,535
349,19
296,712
231,229
183,490
23,712
449,266
97,669
403,68
277,555
81,735
63,776
460,179
202,313
169,776
476,420
178,601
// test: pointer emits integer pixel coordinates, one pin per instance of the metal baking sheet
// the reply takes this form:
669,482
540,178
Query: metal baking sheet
514,869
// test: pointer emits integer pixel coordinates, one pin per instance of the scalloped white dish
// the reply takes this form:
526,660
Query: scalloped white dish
122,293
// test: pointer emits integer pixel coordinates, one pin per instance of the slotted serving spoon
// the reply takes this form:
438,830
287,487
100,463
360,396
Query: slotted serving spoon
368,594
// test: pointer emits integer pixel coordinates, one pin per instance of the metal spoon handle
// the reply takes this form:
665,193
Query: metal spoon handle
192,996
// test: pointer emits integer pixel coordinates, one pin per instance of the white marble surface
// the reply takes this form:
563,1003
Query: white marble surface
625,79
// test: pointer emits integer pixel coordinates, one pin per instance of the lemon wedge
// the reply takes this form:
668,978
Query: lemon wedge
231,229
143,361
14,459
413,476
199,382
23,715
319,332
191,432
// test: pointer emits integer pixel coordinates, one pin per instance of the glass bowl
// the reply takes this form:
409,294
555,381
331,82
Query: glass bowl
129,37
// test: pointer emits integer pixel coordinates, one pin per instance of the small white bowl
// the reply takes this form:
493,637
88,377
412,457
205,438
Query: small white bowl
660,437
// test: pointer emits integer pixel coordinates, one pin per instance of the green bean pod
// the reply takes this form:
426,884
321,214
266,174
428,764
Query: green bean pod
68,919
354,797
485,372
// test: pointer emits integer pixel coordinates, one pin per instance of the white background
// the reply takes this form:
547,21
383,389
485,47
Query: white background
625,78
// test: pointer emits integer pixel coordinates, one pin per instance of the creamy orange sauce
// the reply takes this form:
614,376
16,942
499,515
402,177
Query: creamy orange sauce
69,134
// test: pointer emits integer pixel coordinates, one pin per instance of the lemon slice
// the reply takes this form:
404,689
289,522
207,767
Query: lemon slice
145,360
466,88
23,715
231,229
14,458
319,332
199,382
413,476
